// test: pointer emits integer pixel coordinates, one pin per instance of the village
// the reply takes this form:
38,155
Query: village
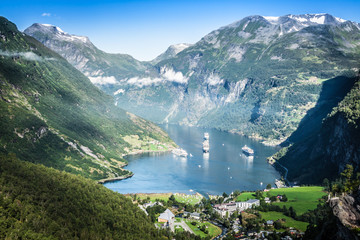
266,214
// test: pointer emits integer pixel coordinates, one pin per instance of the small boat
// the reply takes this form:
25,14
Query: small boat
191,155
199,166
180,152
248,151
206,136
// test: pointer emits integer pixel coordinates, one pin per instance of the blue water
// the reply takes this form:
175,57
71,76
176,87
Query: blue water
224,169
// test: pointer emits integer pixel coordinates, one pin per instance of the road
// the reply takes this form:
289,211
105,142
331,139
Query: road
183,225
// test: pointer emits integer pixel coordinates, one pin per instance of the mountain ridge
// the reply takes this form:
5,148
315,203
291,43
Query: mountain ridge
236,71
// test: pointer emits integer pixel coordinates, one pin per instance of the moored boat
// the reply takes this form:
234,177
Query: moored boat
206,136
180,152
206,146
248,151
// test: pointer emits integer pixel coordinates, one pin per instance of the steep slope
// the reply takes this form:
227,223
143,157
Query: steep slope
171,52
101,68
52,114
258,76
42,203
325,152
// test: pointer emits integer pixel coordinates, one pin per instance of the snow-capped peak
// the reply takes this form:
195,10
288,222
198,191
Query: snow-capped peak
307,19
56,32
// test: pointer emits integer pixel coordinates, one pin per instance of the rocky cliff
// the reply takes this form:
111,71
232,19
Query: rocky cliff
325,152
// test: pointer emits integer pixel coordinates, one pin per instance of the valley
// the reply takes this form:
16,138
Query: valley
86,136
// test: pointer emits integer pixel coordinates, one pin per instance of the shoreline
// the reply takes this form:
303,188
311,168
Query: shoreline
102,181
146,151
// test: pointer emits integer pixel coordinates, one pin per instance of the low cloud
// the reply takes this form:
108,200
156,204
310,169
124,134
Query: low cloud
142,82
46,14
103,80
166,75
26,55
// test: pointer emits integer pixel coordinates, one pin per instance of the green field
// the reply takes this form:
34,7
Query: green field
180,197
302,199
213,230
245,196
189,199
289,222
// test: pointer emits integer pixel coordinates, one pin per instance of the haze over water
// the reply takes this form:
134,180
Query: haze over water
224,169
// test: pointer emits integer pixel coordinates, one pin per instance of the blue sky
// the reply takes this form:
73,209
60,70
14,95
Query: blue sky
144,29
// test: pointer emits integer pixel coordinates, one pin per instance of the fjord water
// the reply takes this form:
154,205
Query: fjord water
224,169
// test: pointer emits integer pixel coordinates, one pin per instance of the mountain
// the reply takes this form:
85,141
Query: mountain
257,77
37,202
100,67
326,152
52,114
171,52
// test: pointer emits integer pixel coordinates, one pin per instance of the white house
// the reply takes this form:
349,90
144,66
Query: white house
230,208
167,217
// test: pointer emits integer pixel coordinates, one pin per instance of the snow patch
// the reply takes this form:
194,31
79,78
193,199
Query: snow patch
244,35
293,46
119,91
318,20
277,58
273,20
340,20
100,80
236,53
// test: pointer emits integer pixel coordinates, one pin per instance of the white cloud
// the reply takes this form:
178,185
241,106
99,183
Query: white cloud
172,76
166,75
103,80
46,14
141,82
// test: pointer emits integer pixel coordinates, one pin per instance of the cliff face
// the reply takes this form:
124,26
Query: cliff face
325,152
346,210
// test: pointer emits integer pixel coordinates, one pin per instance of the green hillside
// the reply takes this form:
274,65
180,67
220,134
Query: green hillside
42,203
52,114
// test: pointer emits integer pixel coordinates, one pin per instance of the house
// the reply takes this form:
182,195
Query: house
241,206
267,200
167,217
193,215
269,222
230,208
151,204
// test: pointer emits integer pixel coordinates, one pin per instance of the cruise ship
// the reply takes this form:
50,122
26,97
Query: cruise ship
180,152
248,151
206,146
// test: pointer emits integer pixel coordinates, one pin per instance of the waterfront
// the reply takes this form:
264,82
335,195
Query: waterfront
224,169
